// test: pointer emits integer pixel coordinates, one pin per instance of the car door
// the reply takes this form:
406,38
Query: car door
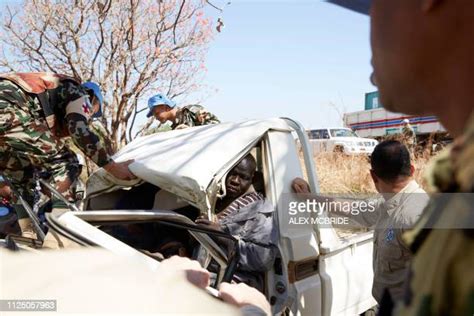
298,245
326,275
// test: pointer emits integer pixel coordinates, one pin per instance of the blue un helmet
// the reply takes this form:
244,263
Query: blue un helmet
94,87
159,99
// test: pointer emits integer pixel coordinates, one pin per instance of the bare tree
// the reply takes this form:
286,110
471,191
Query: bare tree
131,48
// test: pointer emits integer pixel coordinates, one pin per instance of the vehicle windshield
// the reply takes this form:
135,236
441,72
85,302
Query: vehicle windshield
342,132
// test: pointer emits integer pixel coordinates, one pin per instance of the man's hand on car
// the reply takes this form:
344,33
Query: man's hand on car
222,241
182,126
242,295
120,170
300,186
195,274
209,224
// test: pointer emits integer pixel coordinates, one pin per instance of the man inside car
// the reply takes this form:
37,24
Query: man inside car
246,215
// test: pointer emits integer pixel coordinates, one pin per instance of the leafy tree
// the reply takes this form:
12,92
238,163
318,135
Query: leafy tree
131,48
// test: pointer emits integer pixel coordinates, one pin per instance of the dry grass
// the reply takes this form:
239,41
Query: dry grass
339,173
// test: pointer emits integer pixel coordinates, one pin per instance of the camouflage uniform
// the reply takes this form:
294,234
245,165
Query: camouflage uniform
99,129
193,115
37,112
409,137
158,129
441,280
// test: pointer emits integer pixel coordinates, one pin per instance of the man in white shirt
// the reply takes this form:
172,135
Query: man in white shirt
401,204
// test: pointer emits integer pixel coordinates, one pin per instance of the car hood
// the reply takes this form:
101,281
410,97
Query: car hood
185,162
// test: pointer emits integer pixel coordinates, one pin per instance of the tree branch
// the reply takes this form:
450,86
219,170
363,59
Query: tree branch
214,6
177,19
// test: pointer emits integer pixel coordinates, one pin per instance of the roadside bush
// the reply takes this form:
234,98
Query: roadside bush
339,173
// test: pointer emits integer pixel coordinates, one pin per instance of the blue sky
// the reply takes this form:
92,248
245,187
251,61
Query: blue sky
297,58
289,58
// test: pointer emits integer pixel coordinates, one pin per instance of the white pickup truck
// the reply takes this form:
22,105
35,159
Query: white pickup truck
340,139
316,273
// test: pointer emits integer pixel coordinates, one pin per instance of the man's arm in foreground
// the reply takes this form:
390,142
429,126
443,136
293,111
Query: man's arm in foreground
249,300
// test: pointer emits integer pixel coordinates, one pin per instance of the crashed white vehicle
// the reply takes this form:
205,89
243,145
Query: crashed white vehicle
316,273
340,139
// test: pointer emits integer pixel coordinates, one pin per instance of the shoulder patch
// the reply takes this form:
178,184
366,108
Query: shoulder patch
80,106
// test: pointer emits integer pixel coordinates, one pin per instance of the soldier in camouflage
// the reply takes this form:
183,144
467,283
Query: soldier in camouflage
409,136
441,278
37,112
99,129
164,109
422,57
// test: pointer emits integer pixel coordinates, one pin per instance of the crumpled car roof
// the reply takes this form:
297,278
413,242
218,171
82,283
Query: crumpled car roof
185,162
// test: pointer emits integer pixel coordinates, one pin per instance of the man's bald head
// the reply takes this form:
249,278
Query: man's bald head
249,163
